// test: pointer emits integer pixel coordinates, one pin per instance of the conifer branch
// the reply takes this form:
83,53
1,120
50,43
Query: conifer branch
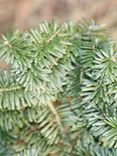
88,79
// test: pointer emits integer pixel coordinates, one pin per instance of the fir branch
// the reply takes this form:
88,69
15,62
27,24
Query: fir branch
89,76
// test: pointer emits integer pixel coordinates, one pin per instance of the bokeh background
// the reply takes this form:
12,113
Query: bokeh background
24,14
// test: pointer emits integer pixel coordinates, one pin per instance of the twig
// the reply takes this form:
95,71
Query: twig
53,109
54,35
10,89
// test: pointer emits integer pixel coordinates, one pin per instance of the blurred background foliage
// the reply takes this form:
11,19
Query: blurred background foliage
24,14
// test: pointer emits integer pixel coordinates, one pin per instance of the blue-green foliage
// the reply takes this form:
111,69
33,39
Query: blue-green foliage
60,95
